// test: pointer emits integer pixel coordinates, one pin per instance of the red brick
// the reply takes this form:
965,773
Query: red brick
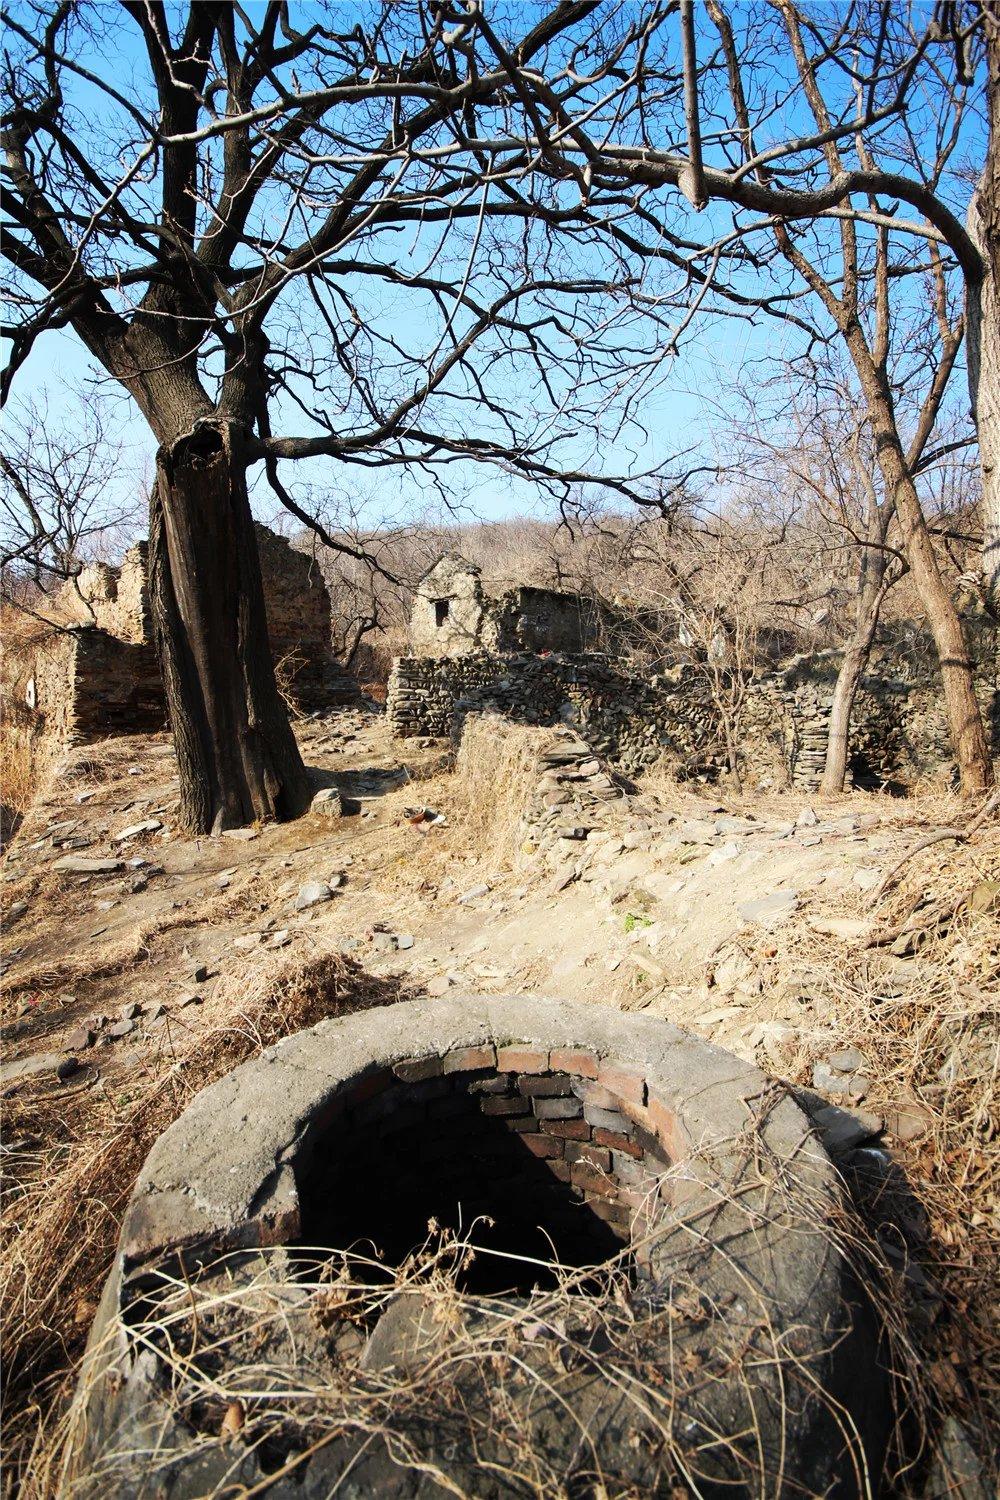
570,1130
496,1104
611,1213
522,1060
626,1083
500,1083
590,1180
468,1059
593,1094
543,1145
585,1151
573,1060
545,1085
560,1170
416,1069
669,1131
557,1109
615,1141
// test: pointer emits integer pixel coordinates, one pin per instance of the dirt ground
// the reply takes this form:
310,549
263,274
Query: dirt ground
776,926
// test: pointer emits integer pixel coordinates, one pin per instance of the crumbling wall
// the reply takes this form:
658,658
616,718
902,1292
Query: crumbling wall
82,683
629,721
114,599
532,619
899,732
116,687
101,675
453,615
297,606
448,609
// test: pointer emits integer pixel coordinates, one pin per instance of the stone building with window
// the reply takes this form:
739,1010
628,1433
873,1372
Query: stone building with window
453,614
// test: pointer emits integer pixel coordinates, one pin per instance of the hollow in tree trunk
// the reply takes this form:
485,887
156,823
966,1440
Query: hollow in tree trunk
236,752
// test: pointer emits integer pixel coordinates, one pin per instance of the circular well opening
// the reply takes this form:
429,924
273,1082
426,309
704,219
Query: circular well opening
533,1163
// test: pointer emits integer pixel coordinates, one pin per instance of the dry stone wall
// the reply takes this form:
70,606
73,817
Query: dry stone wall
899,730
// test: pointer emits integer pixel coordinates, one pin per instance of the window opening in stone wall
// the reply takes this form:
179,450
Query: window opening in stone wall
441,608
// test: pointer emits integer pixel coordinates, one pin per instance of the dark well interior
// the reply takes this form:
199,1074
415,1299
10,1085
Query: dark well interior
561,1172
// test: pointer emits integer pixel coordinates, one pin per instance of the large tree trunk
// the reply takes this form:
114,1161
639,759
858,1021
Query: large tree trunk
236,752
965,719
984,319
856,654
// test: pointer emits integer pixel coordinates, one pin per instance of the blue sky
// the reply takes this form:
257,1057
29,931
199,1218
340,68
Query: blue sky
686,409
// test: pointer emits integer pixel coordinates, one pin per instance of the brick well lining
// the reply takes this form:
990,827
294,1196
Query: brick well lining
558,1148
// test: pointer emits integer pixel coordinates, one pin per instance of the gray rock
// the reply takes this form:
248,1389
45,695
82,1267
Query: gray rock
473,893
768,911
958,1472
849,1060
825,1078
843,1129
130,1010
313,893
76,864
121,1028
30,1067
404,939
80,1040
150,825
186,1000
16,909
328,803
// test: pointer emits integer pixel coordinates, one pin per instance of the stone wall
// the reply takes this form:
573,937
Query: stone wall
899,734
85,683
101,676
453,615
116,687
114,599
630,722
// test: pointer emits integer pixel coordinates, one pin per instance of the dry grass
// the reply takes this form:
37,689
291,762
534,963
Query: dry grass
26,753
497,769
500,1385
73,1156
928,1026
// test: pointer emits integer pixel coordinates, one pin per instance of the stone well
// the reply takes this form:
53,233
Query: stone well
688,1187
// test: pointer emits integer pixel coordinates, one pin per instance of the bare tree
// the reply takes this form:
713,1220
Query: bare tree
273,225
878,111
61,495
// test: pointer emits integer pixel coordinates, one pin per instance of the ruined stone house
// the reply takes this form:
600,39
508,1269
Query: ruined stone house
98,674
454,614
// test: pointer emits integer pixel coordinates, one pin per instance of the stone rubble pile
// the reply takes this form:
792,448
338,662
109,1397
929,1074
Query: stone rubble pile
569,803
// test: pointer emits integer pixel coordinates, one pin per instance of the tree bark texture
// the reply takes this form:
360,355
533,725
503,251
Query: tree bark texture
856,654
237,755
965,720
984,319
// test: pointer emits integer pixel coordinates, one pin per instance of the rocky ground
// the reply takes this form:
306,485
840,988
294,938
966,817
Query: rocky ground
777,927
